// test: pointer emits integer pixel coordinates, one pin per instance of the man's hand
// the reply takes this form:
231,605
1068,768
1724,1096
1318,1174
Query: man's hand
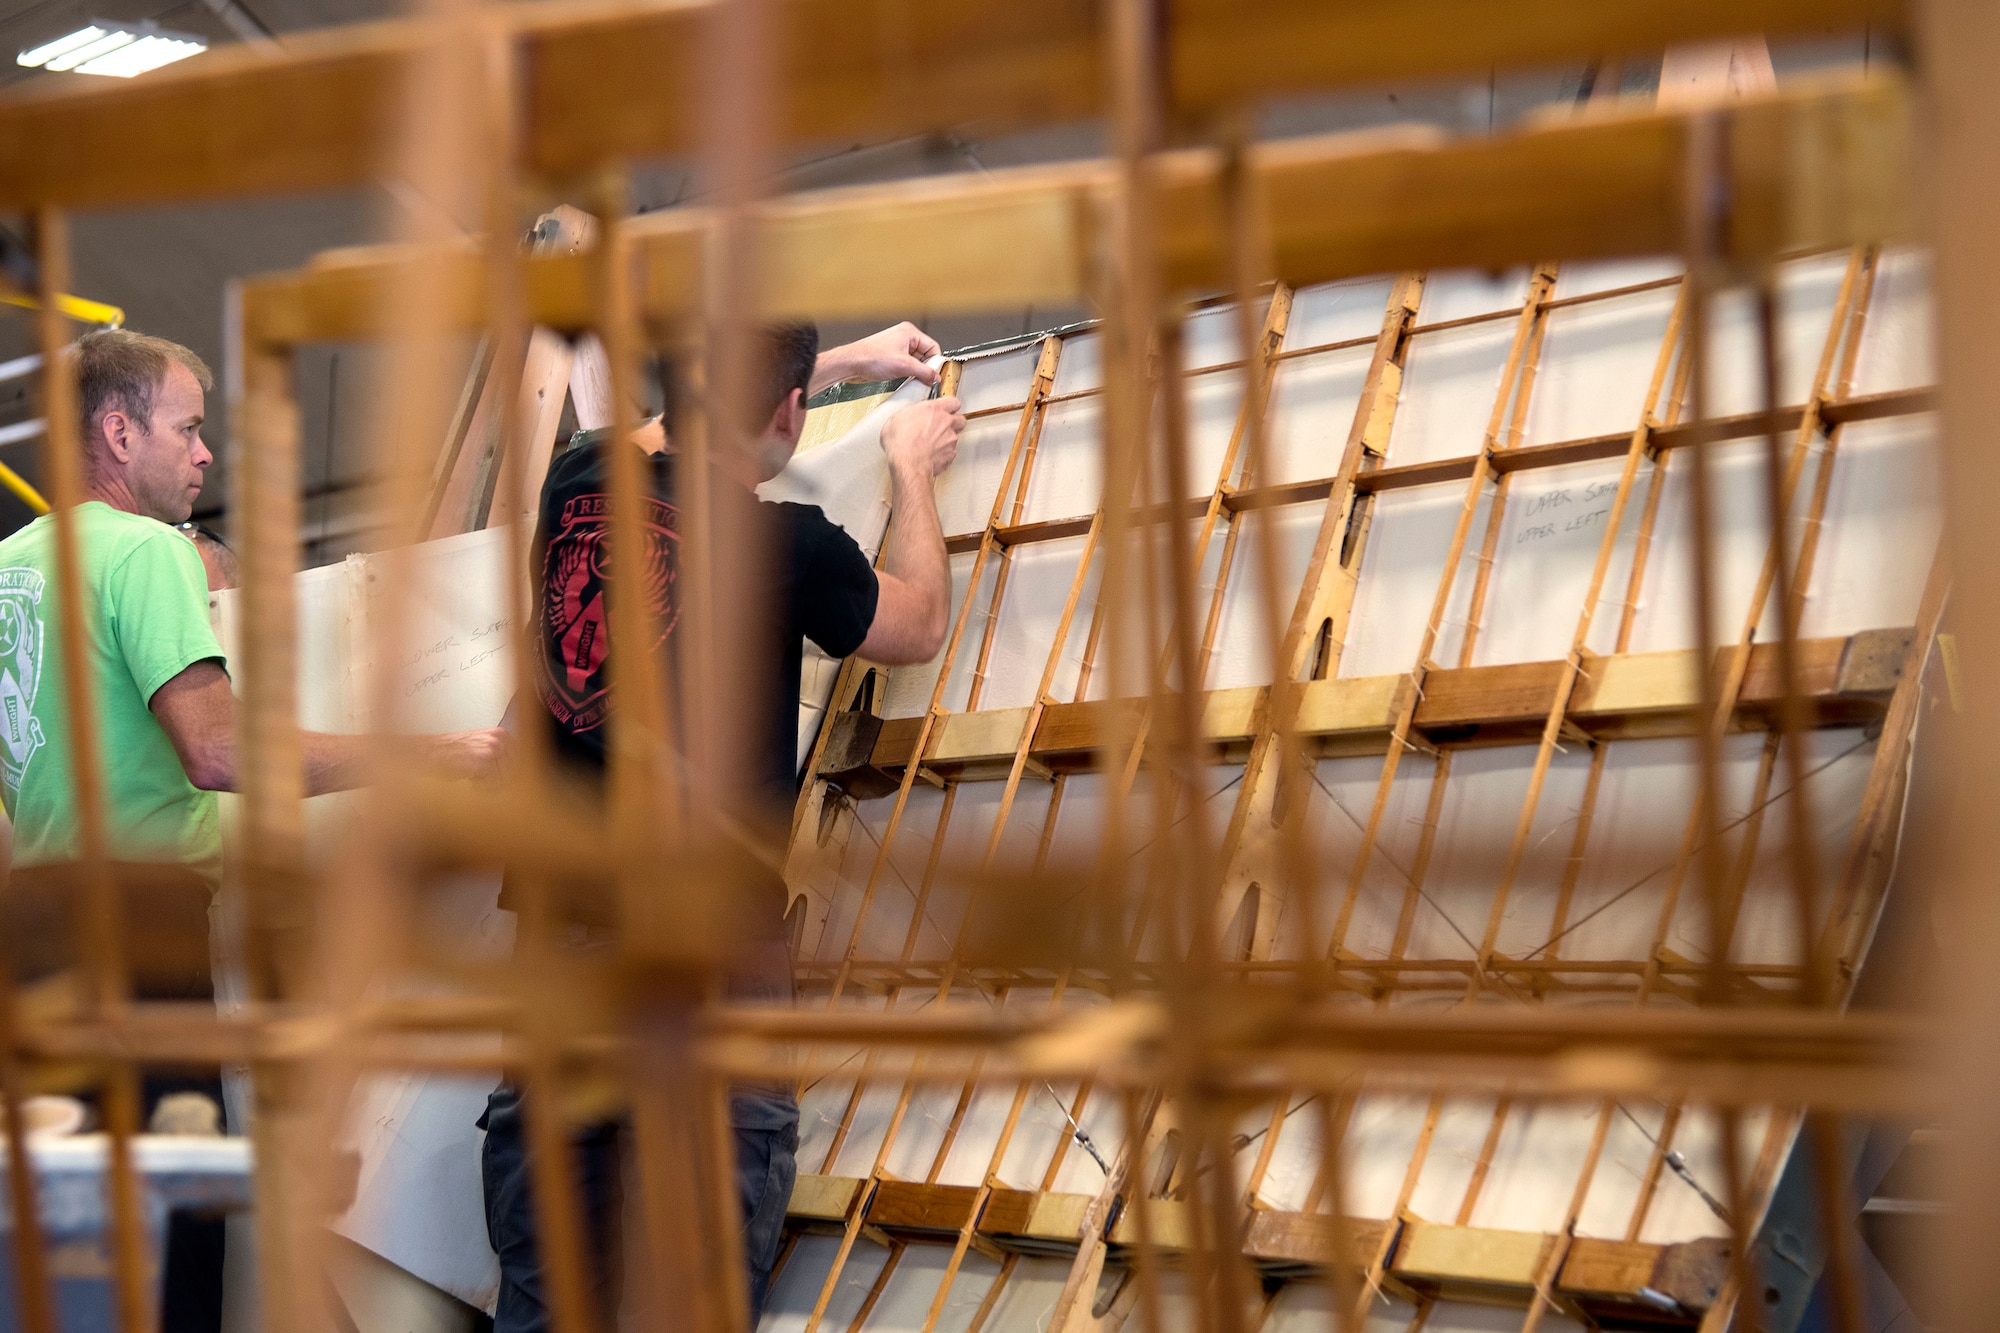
469,754
923,437
892,354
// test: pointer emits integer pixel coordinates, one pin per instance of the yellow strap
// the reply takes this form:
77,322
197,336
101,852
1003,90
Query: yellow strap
18,484
76,307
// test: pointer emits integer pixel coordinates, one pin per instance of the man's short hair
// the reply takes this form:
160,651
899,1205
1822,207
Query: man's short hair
118,370
789,351
785,356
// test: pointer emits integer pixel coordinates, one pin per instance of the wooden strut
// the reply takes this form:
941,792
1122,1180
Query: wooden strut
1522,352
1017,460
1042,694
1399,312
1845,330
103,934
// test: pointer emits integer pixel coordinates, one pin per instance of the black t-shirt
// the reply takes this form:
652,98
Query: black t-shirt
813,582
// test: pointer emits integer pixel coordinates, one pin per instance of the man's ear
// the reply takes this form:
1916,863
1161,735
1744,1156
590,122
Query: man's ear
789,421
114,434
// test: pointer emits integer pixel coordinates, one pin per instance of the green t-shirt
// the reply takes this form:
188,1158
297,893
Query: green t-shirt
148,622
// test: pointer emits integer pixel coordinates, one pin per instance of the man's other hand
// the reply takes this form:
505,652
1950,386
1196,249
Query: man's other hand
892,354
470,754
924,436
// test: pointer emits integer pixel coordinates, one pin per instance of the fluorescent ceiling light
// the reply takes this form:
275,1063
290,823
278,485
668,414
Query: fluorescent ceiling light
43,54
119,50
76,55
149,52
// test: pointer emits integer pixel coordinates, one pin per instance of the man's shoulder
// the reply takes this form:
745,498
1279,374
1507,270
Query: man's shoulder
108,536
24,542
803,522
818,545
581,467
120,536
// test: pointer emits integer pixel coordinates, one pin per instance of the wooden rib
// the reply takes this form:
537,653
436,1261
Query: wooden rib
1844,337
1034,416
1558,1254
932,715
1249,418
1649,1183
1399,733
1044,379
1845,326
948,380
1248,439
1524,352
1014,477
103,933
1517,384
1372,1276
467,420
1579,640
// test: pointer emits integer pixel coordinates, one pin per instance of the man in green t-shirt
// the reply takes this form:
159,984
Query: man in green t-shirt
158,687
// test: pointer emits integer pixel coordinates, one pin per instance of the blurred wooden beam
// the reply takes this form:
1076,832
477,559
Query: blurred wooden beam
606,82
1823,168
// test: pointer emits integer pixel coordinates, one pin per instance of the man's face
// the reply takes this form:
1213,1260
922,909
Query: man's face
165,458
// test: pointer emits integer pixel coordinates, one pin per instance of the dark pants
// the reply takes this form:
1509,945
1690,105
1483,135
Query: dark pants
767,1137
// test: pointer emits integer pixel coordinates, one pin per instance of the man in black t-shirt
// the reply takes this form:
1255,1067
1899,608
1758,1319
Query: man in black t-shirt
812,581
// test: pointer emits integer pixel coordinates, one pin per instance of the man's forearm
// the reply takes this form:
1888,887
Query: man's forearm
831,367
333,762
916,541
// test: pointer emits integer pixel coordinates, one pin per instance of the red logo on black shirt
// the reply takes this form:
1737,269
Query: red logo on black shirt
575,646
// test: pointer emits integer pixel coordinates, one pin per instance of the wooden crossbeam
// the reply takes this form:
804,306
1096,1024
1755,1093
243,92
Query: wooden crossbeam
1668,1285
608,82
1847,681
1337,206
1595,448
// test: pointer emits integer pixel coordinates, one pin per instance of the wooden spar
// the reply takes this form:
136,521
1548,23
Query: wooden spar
512,346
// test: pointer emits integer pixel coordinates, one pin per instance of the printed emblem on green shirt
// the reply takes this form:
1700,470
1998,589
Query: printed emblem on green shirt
20,669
